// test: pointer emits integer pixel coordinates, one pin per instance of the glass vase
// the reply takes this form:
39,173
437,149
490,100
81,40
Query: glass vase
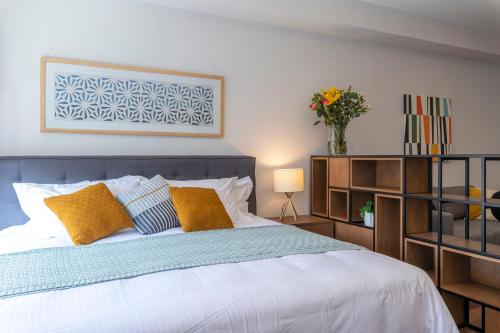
337,144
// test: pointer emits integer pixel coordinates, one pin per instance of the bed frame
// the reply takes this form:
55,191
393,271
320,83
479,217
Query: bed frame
72,169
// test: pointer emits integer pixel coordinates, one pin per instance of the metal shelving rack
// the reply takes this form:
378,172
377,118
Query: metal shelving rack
481,252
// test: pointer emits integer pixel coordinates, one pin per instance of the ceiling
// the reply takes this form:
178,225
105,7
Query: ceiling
478,14
468,29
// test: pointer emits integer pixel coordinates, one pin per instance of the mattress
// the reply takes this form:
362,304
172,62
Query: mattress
341,291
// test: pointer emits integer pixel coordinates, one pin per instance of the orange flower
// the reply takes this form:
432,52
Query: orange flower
332,95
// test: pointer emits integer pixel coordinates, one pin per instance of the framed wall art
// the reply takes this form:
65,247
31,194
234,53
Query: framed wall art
427,125
90,97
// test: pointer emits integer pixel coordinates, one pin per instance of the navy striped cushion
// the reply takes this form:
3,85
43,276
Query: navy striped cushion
150,206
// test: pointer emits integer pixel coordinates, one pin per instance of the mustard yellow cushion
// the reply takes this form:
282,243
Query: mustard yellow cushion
474,210
199,209
89,214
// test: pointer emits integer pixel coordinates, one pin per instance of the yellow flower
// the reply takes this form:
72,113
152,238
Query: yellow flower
332,95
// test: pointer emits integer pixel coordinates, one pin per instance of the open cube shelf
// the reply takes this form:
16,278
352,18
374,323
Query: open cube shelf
377,174
424,256
319,186
358,200
418,175
418,216
339,204
470,275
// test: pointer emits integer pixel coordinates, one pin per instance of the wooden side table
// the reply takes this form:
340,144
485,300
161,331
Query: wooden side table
310,223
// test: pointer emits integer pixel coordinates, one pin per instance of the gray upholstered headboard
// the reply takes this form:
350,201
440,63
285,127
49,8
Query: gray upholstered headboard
72,169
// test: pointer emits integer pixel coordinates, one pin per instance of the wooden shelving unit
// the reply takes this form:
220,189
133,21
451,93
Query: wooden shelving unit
424,256
470,275
352,181
407,201
388,225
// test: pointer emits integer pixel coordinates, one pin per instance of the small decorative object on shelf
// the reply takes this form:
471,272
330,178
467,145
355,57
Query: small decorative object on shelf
366,213
337,107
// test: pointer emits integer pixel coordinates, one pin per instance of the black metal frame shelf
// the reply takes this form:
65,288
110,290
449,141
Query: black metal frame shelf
442,241
440,198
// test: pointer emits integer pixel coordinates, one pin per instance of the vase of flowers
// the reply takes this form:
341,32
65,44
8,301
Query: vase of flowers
337,107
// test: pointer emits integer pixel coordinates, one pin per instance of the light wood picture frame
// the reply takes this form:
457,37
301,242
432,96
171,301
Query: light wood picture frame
78,96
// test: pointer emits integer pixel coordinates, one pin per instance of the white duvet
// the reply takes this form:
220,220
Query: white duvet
343,291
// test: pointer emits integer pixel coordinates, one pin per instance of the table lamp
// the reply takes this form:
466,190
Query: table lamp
288,181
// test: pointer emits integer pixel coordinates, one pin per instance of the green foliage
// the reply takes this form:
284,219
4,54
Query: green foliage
367,208
350,105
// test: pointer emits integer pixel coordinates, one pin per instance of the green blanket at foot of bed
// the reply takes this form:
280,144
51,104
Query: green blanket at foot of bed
49,269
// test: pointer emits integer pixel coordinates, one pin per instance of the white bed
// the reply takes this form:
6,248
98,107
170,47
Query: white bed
342,291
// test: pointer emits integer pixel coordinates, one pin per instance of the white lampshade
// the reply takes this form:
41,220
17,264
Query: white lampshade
289,180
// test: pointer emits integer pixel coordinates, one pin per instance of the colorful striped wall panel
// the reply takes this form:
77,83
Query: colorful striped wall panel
427,125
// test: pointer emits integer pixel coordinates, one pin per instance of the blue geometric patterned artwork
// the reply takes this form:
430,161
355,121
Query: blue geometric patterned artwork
96,98
100,98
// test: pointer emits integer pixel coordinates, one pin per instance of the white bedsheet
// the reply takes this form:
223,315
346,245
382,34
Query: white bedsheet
342,291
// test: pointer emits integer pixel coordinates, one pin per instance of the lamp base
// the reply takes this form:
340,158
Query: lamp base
285,206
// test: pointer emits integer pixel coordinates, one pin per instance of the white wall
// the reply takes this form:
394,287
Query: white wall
270,75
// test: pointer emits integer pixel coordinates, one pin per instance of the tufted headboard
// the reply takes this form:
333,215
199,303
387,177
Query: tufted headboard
72,169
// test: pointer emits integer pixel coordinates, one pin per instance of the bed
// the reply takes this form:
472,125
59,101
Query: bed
334,291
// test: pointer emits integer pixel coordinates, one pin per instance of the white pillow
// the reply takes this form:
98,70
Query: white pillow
31,195
225,188
243,207
31,198
123,184
243,190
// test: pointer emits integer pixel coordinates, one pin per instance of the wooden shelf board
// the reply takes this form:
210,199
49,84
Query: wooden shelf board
454,198
388,225
323,214
427,195
458,241
338,218
493,202
467,330
461,199
302,219
356,224
385,189
475,291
